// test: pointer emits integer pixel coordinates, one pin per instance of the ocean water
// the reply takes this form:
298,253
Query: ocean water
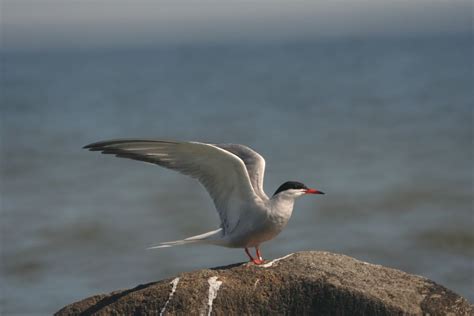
384,127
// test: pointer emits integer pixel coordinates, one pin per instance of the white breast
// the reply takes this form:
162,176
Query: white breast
260,224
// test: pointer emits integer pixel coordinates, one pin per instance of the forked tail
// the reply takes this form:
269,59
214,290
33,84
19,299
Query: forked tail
211,237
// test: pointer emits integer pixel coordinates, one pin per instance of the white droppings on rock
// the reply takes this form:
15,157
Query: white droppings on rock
269,264
255,284
214,286
173,289
371,264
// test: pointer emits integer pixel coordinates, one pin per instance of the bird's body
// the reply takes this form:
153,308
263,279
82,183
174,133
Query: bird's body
233,176
260,222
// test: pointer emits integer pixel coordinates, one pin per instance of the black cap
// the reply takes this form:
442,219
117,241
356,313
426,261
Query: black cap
289,185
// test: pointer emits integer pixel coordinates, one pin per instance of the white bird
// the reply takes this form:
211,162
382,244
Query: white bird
233,176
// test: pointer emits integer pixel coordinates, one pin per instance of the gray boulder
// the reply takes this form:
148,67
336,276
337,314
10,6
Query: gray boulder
304,283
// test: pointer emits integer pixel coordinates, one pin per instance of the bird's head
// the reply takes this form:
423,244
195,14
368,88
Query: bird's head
294,189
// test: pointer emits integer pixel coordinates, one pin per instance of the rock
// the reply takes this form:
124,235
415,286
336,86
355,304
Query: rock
304,283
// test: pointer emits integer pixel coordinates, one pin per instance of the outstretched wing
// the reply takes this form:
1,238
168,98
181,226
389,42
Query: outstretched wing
221,172
254,163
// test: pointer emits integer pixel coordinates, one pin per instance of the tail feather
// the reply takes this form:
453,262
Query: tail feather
209,237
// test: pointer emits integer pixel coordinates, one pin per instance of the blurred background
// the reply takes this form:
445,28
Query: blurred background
370,101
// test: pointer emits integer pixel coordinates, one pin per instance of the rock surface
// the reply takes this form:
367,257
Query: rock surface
304,283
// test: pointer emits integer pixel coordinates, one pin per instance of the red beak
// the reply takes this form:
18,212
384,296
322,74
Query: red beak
313,191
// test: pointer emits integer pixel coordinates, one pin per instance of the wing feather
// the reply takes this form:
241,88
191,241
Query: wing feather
221,172
254,163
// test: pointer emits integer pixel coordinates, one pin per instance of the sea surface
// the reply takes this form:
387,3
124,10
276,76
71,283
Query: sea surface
383,126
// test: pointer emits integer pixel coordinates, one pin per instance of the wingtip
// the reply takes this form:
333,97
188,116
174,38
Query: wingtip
99,146
92,146
96,146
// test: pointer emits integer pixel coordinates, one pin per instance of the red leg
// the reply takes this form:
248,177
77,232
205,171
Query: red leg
257,260
248,254
259,256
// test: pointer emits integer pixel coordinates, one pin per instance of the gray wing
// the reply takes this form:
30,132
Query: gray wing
254,163
221,172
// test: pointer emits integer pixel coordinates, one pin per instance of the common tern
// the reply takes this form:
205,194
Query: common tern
233,176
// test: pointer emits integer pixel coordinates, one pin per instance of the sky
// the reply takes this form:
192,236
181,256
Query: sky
36,24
